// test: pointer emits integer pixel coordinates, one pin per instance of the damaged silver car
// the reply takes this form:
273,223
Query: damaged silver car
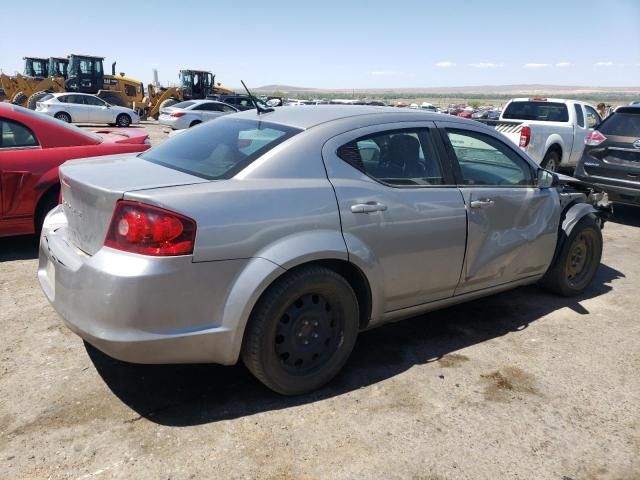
277,236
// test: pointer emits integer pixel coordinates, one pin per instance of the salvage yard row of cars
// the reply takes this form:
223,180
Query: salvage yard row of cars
275,236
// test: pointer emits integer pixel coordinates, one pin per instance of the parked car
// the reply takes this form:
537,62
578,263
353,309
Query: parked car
466,113
85,108
493,115
32,147
276,238
611,158
193,112
240,102
480,114
549,130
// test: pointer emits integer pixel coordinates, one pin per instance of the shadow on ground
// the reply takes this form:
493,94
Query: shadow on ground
179,395
24,247
626,215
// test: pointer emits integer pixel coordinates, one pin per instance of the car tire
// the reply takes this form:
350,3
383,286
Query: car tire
48,202
551,161
302,330
123,120
19,98
578,260
64,116
194,123
34,99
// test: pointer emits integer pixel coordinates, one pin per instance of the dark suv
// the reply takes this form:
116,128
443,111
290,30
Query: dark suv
611,158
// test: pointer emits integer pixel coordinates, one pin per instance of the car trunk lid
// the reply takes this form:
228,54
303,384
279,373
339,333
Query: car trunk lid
91,187
123,135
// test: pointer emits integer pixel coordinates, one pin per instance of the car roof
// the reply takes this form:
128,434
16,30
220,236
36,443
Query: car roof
306,117
59,94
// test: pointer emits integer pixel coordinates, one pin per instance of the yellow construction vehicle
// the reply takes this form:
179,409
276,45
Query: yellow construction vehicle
194,85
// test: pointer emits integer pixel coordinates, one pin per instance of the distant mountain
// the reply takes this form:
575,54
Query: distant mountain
525,89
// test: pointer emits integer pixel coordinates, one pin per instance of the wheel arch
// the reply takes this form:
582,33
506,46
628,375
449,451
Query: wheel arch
554,144
571,215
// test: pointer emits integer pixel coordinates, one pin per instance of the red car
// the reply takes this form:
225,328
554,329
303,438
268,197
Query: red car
32,147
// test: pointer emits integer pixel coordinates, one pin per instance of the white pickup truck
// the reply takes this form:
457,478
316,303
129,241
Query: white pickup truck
549,130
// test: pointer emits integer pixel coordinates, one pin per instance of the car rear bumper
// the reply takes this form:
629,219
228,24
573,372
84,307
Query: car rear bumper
175,123
618,191
138,308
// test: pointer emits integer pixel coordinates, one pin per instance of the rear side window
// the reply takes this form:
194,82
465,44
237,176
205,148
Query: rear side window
221,148
622,124
16,135
396,157
538,111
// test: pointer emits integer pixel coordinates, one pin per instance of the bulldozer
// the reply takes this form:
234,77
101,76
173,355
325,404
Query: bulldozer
35,76
194,85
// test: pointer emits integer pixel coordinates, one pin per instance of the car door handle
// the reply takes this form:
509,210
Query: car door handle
368,207
484,203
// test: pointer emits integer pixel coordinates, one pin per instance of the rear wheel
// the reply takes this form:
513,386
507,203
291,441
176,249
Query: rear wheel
551,161
64,116
19,98
123,120
34,99
302,331
194,123
578,260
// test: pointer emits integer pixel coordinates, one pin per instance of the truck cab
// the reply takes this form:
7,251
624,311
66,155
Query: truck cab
550,130
36,67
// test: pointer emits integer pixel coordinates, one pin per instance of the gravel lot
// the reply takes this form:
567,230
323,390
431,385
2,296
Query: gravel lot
519,385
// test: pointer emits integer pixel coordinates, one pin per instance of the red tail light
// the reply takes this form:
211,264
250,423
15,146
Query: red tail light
594,137
177,114
139,228
525,136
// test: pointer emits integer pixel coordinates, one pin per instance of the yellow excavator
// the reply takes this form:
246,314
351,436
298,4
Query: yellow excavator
194,85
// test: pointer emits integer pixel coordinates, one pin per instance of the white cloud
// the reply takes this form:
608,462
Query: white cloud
384,73
486,65
445,64
603,64
536,65
564,64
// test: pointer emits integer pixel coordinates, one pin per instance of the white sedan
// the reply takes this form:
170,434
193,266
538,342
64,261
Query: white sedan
192,112
85,108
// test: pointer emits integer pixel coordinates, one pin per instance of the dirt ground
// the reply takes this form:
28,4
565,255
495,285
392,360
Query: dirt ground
520,385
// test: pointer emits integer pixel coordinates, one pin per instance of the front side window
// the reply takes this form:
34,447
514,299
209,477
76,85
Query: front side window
487,161
398,157
219,149
94,101
593,119
16,135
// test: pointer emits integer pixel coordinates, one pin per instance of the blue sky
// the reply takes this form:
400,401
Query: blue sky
341,44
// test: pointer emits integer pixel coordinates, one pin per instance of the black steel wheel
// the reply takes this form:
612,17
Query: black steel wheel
302,330
577,261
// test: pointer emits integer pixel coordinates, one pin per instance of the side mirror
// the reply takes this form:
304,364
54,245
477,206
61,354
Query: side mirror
547,179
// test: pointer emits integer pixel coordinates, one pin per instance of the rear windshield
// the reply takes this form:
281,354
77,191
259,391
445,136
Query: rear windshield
540,111
220,148
46,97
622,124
182,104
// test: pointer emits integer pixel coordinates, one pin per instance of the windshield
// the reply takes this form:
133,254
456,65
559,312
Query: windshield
59,123
539,111
220,148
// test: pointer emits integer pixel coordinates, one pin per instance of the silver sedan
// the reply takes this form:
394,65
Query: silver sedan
85,108
277,237
190,113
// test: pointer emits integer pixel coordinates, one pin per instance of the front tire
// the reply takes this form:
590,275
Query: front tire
64,116
575,266
301,331
123,120
19,98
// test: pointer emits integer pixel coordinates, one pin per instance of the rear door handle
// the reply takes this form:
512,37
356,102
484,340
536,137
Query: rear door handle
368,207
484,203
